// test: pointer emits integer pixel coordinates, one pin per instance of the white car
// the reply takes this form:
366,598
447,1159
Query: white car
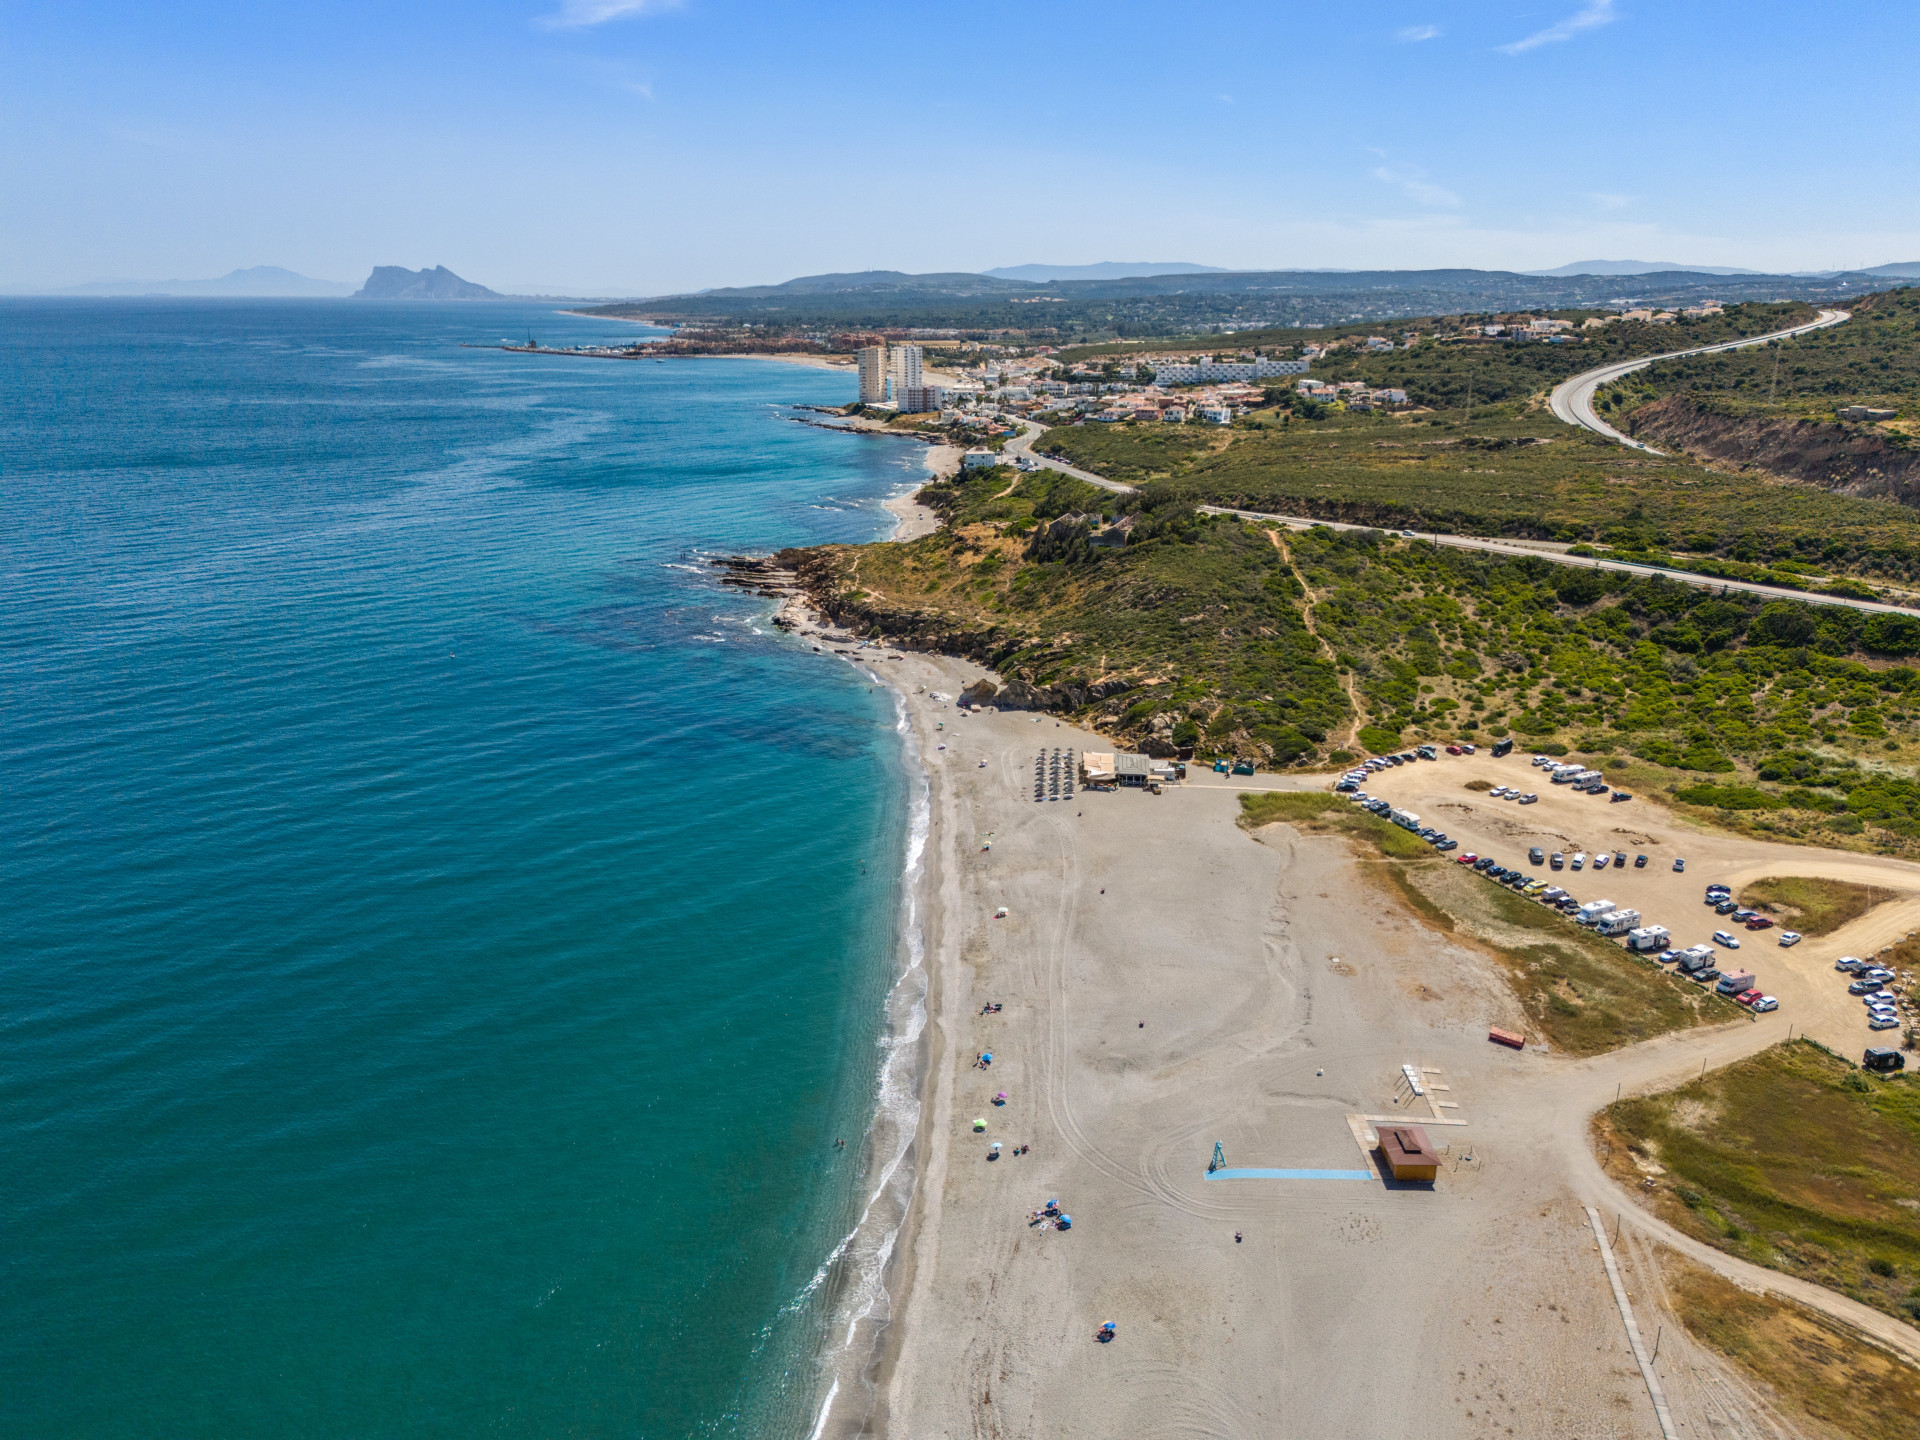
1579,860
1789,937
1766,1002
1882,1022
1529,799
1847,962
1721,937
1496,792
1602,860
1879,997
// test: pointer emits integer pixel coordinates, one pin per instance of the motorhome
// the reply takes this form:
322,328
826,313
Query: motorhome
1590,913
1619,922
1648,939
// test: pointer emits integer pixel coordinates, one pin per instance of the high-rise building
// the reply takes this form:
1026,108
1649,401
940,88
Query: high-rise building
903,368
873,374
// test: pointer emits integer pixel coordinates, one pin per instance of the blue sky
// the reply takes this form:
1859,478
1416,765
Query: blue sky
644,146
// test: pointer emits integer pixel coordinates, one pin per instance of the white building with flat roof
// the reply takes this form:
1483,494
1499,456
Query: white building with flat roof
1209,370
903,368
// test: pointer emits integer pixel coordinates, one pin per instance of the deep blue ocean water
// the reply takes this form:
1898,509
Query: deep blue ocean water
443,933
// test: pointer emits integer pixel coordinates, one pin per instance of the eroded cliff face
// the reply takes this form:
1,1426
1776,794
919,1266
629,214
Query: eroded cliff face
1848,459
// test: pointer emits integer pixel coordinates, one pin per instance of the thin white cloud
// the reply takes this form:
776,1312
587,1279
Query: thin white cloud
581,14
1604,201
1417,188
1414,34
1595,14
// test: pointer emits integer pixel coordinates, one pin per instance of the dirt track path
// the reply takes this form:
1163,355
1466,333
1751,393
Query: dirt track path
1358,708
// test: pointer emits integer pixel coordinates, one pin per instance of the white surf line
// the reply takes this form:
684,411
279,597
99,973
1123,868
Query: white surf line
1633,1330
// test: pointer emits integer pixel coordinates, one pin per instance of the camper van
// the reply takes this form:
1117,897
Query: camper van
1649,939
1617,923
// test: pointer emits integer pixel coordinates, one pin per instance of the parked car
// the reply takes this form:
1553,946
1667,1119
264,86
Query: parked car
1453,749
1467,749
1877,972
1496,792
1579,859
1619,859
1536,856
1852,963
1468,858
1861,987
1882,1022
1484,863
1618,796
1747,997
1722,938
1760,922
1639,862
1602,860
1789,937
1679,864
1766,1003
1529,799
1725,907
1707,976
1556,860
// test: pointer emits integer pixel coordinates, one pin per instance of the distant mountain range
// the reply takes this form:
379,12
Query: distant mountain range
1105,270
1641,267
259,281
396,282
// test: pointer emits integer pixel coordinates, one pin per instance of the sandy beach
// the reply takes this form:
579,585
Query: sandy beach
1169,981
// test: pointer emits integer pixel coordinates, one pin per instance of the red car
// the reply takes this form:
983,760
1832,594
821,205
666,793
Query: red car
1747,997
1453,749
1468,858
1759,922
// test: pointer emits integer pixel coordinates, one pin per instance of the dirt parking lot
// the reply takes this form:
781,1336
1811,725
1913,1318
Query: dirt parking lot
1813,996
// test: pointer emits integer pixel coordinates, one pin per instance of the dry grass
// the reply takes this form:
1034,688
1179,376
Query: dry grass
1582,994
1791,1159
1815,1369
1813,907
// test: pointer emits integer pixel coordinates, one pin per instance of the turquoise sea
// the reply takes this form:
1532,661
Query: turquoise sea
444,933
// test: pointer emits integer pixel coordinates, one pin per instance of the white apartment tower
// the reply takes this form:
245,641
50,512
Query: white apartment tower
904,369
873,373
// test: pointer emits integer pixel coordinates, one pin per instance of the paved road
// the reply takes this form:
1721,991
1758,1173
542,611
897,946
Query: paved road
1572,400
1539,549
1022,443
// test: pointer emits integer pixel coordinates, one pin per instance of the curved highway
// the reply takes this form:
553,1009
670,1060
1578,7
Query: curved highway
1572,400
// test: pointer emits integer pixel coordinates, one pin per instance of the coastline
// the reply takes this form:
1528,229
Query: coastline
868,1329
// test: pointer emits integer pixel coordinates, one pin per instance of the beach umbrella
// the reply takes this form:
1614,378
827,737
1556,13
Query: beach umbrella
979,1125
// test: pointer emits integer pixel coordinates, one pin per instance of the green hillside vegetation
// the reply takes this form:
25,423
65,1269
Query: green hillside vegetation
1873,359
1235,639
1791,1159
1510,470
1446,373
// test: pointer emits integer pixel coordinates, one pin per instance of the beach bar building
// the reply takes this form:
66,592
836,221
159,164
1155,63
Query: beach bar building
1408,1152
1095,768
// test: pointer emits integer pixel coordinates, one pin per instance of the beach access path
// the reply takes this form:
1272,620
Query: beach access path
1169,982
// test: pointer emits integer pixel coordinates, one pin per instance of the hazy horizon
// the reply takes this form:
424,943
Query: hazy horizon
645,147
